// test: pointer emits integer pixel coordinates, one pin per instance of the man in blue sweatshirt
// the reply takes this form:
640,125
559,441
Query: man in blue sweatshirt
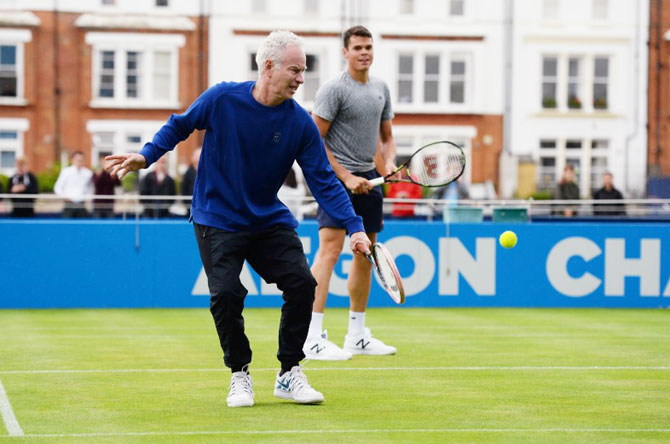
254,133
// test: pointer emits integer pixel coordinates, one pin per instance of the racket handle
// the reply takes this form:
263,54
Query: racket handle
377,181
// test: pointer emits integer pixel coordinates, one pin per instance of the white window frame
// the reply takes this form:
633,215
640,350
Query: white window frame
600,10
19,126
457,77
551,9
406,7
17,38
546,78
147,45
602,80
451,8
319,75
418,79
602,152
577,80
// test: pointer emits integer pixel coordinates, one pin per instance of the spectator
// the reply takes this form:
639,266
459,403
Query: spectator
157,183
188,179
292,191
403,190
608,192
22,182
567,190
74,184
104,185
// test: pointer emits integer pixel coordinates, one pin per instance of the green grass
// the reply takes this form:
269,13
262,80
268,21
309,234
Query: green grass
461,375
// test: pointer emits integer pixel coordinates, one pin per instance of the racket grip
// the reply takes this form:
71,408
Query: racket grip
377,181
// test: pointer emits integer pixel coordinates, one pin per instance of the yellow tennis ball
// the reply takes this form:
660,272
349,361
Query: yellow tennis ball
508,239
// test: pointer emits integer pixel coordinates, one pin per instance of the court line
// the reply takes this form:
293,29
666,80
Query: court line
353,431
11,424
321,369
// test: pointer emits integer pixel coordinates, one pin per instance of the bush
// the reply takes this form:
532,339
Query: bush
4,184
541,195
47,178
129,182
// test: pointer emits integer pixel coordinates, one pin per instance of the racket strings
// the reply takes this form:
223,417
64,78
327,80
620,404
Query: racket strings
385,271
437,165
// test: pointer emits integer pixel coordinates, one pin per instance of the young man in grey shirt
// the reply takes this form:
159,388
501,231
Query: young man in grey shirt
352,113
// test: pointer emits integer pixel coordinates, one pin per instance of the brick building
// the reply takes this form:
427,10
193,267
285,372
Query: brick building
96,76
659,86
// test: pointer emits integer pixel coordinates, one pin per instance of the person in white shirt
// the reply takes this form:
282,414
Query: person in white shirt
73,184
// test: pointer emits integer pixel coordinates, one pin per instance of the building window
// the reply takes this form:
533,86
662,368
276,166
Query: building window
574,81
456,8
406,7
600,9
136,77
106,74
600,83
457,82
312,77
9,147
550,9
108,2
162,74
9,76
253,67
311,7
132,74
546,172
405,78
259,6
162,3
599,154
549,81
431,82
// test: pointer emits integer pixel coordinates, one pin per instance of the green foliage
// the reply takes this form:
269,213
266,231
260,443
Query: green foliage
47,179
541,195
129,183
4,184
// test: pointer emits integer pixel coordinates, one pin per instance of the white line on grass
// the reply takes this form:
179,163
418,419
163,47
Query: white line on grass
354,431
12,425
327,369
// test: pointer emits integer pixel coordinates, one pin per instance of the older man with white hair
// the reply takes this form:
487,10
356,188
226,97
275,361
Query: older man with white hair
254,133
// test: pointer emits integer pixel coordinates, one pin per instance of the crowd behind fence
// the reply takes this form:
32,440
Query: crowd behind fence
175,206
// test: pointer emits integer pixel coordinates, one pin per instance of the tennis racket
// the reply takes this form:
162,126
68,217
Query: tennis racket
387,272
434,165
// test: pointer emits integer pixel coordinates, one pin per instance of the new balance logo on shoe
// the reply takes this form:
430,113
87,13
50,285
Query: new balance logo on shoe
363,344
317,349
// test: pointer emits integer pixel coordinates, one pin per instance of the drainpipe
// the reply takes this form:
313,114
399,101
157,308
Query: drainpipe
57,90
636,98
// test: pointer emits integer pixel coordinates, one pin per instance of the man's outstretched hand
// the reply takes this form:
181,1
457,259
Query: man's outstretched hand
119,165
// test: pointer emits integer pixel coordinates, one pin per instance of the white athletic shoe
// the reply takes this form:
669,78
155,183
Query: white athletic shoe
241,389
320,348
365,344
293,385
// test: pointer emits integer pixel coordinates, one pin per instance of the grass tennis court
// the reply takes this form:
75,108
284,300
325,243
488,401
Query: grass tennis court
461,375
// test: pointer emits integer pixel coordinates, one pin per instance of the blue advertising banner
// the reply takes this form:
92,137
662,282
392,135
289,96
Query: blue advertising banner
46,263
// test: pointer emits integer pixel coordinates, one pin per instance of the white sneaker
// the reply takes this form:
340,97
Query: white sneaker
241,389
320,348
293,385
365,344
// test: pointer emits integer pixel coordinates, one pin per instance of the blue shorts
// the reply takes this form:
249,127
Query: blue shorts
368,206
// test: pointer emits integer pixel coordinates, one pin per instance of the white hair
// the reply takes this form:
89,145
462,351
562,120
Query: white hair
273,48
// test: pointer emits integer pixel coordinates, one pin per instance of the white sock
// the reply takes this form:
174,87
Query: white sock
316,325
356,323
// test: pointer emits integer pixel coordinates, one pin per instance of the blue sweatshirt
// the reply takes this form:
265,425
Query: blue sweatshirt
247,153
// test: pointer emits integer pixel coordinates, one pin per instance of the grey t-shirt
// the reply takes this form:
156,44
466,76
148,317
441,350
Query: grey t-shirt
355,111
